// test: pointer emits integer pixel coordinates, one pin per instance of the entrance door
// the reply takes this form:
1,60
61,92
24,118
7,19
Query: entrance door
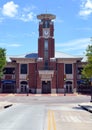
46,87
23,87
69,87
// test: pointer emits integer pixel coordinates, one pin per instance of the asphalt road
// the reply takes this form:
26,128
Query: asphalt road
45,113
45,117
22,117
37,99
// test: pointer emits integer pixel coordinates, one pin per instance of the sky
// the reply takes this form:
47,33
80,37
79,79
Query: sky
19,25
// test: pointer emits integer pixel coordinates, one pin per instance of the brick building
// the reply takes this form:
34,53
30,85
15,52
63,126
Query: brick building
44,72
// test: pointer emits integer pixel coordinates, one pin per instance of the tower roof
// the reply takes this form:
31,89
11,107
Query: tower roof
46,16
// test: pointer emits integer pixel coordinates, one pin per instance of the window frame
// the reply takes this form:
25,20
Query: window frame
22,70
67,71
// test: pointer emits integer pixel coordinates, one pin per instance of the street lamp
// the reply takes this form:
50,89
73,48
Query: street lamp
27,87
65,85
91,90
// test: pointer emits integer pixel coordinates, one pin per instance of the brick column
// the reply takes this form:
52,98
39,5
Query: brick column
60,76
31,75
74,76
17,76
39,85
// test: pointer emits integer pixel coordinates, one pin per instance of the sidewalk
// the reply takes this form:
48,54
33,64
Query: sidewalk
86,106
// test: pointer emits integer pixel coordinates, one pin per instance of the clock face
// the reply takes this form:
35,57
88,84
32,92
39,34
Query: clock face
46,33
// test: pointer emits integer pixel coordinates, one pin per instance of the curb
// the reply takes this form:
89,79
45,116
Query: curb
86,108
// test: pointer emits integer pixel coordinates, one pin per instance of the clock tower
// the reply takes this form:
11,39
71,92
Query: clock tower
46,47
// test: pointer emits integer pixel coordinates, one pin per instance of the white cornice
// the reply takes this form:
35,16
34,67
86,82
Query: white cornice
23,60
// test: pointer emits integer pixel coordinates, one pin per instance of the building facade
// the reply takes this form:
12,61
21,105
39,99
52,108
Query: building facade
44,72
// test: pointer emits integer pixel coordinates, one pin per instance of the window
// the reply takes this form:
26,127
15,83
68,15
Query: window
68,68
46,49
46,54
46,24
46,45
23,69
8,70
46,65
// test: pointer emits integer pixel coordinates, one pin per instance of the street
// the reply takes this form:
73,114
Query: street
22,117
45,113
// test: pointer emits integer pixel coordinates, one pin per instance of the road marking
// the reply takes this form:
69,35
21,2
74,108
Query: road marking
51,120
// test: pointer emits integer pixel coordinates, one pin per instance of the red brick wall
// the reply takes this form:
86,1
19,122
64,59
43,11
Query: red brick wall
40,65
53,85
53,65
40,47
39,85
51,47
32,75
51,30
17,75
8,76
60,75
40,30
74,76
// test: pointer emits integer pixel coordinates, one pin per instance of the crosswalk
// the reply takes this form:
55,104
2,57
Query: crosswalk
74,119
72,116
62,119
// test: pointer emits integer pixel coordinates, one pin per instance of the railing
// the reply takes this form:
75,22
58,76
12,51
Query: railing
84,89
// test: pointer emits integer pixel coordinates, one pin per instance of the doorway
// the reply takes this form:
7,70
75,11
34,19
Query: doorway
46,87
69,88
23,87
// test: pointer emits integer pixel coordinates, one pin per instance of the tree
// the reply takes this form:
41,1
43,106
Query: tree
2,60
87,70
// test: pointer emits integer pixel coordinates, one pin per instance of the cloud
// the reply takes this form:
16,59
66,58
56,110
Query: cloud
58,20
31,34
78,45
10,45
26,14
85,8
84,29
10,9
14,45
26,17
27,9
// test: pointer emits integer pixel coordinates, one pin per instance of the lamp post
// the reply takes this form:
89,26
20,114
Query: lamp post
64,85
27,90
27,87
91,90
